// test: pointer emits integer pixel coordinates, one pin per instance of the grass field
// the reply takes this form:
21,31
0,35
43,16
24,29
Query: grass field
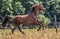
30,34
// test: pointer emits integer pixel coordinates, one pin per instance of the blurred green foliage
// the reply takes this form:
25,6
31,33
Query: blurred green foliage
16,7
44,19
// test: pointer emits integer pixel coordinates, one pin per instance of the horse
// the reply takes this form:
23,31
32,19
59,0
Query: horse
30,18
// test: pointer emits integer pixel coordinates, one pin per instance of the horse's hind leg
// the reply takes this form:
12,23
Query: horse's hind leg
21,30
13,30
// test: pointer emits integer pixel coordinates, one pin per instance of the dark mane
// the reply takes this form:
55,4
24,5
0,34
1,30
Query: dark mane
33,7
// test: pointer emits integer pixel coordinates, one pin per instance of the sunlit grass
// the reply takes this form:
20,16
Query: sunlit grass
30,34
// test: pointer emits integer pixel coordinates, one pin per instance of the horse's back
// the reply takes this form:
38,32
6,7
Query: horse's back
24,19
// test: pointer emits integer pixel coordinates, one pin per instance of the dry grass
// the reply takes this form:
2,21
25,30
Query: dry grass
30,34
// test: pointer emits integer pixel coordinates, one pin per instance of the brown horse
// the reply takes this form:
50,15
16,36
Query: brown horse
30,18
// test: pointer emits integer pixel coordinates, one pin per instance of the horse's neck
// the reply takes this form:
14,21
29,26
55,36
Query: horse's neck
36,12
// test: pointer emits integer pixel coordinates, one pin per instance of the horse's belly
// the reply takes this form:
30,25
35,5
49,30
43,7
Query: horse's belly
24,20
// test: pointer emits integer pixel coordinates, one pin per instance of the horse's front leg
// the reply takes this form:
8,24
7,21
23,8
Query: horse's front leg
41,25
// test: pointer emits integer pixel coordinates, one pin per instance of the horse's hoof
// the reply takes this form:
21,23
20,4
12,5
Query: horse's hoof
23,33
38,29
12,33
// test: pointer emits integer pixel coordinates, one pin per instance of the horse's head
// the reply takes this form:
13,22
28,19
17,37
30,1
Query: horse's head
38,6
41,7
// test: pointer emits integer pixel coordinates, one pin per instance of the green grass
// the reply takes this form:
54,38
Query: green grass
30,34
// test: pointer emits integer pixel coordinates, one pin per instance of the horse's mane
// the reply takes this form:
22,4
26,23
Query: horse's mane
33,7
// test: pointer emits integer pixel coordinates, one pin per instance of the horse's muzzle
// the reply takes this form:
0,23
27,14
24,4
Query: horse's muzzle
44,9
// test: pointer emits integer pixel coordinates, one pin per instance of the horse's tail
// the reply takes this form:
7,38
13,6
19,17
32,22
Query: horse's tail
7,18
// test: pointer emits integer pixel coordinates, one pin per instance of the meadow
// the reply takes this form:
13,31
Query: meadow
30,34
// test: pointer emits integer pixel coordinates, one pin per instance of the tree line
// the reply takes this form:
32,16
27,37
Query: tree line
19,7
